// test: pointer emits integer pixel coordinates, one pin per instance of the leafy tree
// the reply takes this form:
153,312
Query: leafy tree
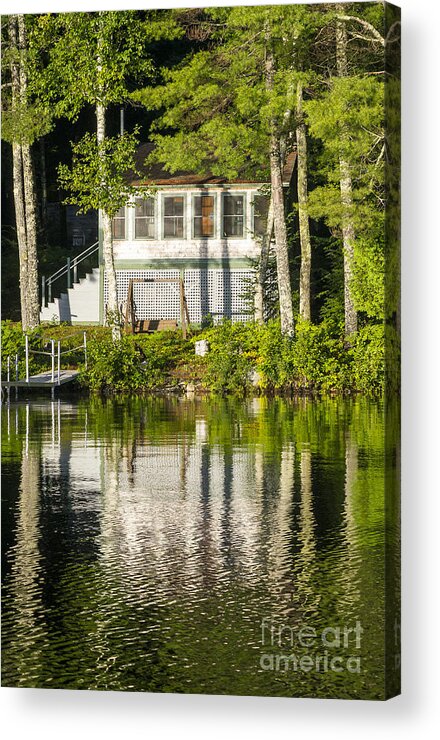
23,121
91,60
98,177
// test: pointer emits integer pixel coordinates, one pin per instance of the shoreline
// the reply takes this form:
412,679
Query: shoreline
239,360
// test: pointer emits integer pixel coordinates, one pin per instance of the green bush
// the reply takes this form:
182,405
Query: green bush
161,353
113,366
232,357
242,358
314,360
275,363
320,359
13,342
368,359
135,363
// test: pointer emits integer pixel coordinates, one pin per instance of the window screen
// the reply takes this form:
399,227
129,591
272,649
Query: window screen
173,217
233,215
261,207
144,218
118,224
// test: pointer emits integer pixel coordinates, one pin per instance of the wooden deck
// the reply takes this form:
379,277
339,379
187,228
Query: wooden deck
43,380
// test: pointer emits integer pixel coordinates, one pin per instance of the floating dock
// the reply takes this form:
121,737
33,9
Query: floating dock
43,380
49,379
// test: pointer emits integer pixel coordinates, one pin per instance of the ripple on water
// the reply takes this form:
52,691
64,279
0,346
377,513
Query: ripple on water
147,541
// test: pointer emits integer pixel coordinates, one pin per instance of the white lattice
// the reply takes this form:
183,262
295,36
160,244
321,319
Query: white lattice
221,293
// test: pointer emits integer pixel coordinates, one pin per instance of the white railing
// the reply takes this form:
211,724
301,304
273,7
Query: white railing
55,355
71,267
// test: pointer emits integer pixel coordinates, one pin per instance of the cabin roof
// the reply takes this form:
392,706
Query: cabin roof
155,174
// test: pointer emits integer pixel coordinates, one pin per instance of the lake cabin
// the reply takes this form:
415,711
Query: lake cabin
204,230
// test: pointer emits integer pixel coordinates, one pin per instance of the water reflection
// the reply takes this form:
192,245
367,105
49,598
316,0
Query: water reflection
146,540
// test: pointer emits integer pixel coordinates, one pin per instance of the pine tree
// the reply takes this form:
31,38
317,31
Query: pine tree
230,111
347,115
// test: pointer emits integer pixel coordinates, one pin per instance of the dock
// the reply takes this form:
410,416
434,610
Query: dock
42,380
45,379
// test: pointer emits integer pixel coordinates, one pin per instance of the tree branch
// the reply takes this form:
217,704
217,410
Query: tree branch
388,38
376,36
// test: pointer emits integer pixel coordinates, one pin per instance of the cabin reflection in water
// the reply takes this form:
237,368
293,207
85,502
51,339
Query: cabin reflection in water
187,523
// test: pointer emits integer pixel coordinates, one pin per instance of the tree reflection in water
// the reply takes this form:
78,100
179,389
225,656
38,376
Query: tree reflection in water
148,539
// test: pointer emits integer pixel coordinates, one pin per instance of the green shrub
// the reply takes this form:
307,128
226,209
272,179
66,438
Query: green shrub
275,363
368,359
113,366
320,359
161,354
136,362
13,342
232,357
317,358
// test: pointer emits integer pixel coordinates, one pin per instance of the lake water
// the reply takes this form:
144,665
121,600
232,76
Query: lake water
203,546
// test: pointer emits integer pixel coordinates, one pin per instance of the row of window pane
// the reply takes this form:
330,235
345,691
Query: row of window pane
203,217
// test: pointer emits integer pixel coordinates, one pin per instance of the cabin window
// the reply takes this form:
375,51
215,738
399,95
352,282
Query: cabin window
173,214
261,208
118,224
233,215
144,218
203,217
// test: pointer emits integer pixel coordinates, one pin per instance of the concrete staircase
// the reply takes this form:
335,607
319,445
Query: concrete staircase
79,305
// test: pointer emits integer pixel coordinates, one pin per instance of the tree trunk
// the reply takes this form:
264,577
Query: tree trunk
33,306
17,174
262,268
23,184
260,296
113,317
20,225
31,229
43,190
348,235
304,229
280,229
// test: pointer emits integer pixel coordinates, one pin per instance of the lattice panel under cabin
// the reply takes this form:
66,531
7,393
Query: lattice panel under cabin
220,293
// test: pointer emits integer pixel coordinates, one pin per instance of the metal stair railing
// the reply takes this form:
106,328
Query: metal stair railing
55,355
67,269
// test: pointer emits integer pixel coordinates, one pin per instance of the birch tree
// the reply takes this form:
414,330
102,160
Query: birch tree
22,123
92,58
303,216
346,186
277,203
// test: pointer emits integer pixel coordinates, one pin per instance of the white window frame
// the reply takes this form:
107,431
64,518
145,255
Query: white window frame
234,193
183,217
155,210
118,218
201,194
